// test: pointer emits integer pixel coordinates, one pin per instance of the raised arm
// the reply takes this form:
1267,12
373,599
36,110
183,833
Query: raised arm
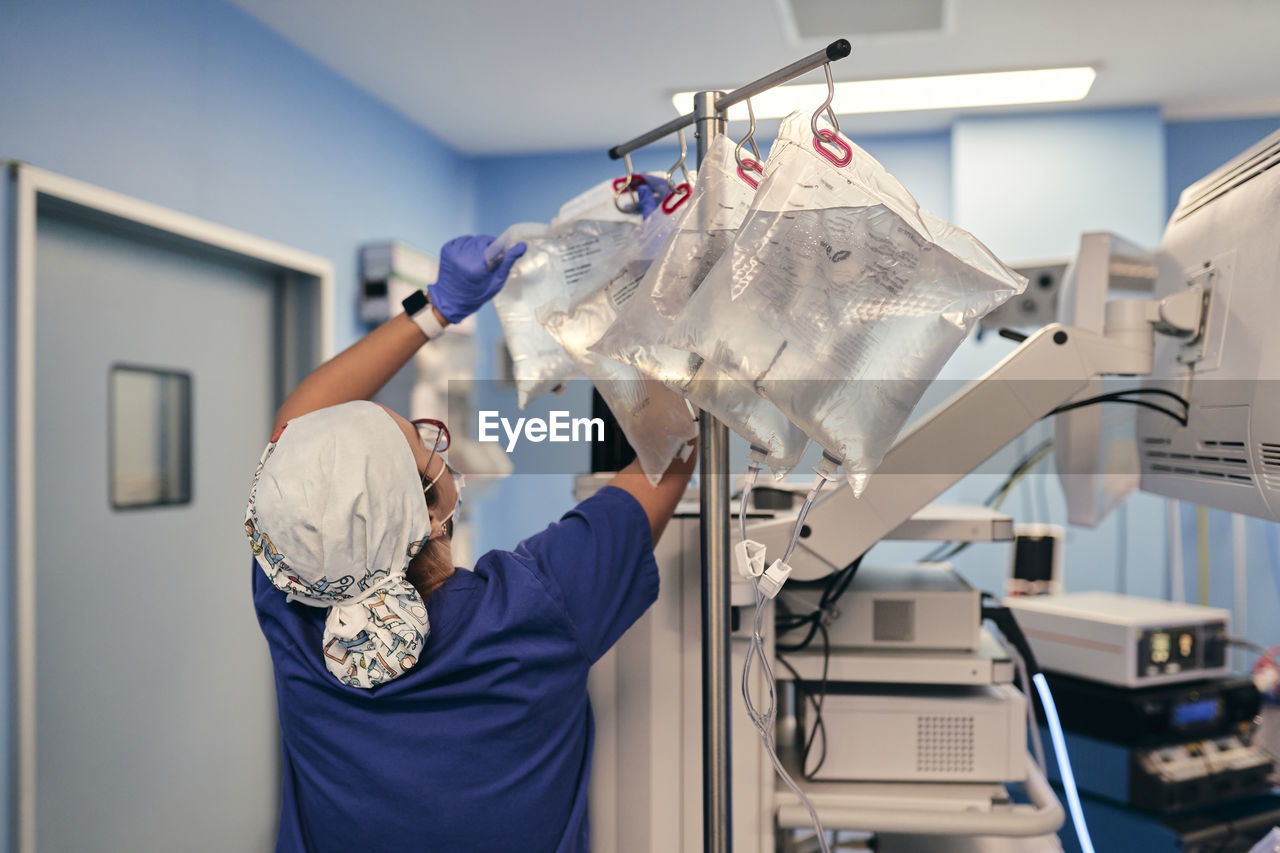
659,502
360,371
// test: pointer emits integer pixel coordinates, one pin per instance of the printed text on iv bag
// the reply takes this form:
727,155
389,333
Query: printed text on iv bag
559,428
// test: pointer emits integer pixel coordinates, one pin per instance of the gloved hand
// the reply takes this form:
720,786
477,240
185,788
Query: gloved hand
646,202
465,281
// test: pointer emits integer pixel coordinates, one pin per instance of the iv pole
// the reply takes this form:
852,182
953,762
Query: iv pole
711,110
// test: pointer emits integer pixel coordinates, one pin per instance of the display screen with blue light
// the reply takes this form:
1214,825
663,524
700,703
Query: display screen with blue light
1196,712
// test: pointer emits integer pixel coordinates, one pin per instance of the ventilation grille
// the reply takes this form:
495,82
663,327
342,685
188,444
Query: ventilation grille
944,744
1250,164
1270,456
893,621
1220,461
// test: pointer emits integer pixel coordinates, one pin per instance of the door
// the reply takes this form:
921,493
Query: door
155,368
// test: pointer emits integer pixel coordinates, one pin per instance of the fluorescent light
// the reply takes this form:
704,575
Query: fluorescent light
950,92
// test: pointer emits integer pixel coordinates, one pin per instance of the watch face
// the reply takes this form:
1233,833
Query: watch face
415,302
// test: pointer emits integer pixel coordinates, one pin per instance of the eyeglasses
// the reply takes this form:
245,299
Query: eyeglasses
435,436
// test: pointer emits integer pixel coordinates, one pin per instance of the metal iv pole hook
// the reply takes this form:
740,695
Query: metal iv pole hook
748,163
679,192
831,138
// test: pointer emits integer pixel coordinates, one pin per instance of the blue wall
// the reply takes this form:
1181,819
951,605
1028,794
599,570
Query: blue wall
1195,148
198,107
532,188
1030,185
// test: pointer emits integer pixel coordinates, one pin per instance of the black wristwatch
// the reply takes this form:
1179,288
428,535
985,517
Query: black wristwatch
418,307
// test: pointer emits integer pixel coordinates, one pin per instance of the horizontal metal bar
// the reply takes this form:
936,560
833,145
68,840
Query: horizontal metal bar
838,49
619,151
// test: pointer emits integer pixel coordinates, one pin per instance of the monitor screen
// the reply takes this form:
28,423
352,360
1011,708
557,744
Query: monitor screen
1196,712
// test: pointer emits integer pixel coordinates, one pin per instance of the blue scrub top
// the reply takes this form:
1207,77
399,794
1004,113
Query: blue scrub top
485,745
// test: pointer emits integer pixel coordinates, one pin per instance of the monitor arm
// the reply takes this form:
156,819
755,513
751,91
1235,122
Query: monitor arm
1048,369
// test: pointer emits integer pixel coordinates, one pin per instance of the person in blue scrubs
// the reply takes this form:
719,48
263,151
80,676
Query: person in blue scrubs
483,743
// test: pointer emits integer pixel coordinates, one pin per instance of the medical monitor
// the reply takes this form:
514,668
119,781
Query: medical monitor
1225,237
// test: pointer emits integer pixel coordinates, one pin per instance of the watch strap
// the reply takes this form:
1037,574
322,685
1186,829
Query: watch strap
418,307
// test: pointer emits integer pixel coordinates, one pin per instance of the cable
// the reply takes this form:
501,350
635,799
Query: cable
817,703
1246,644
996,499
1027,510
1044,509
1112,395
1004,620
1022,469
1181,419
1125,397
834,586
939,555
1037,746
818,722
1064,763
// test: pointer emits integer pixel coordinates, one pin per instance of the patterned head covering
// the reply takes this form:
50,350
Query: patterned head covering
335,514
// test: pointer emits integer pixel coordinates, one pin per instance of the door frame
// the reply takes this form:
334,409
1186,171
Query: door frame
29,186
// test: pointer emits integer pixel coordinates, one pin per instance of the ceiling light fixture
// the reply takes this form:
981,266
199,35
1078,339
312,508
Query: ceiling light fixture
904,94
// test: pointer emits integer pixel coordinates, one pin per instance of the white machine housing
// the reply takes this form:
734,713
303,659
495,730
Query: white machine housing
1207,335
1224,236
912,606
914,733
1095,448
1122,639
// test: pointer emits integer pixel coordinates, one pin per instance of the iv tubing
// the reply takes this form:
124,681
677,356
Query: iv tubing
825,471
765,721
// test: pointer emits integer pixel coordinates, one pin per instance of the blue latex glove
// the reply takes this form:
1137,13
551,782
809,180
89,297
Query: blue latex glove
465,281
646,202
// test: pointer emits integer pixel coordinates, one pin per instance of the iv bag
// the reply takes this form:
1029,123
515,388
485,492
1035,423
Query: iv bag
578,249
655,419
840,299
715,210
